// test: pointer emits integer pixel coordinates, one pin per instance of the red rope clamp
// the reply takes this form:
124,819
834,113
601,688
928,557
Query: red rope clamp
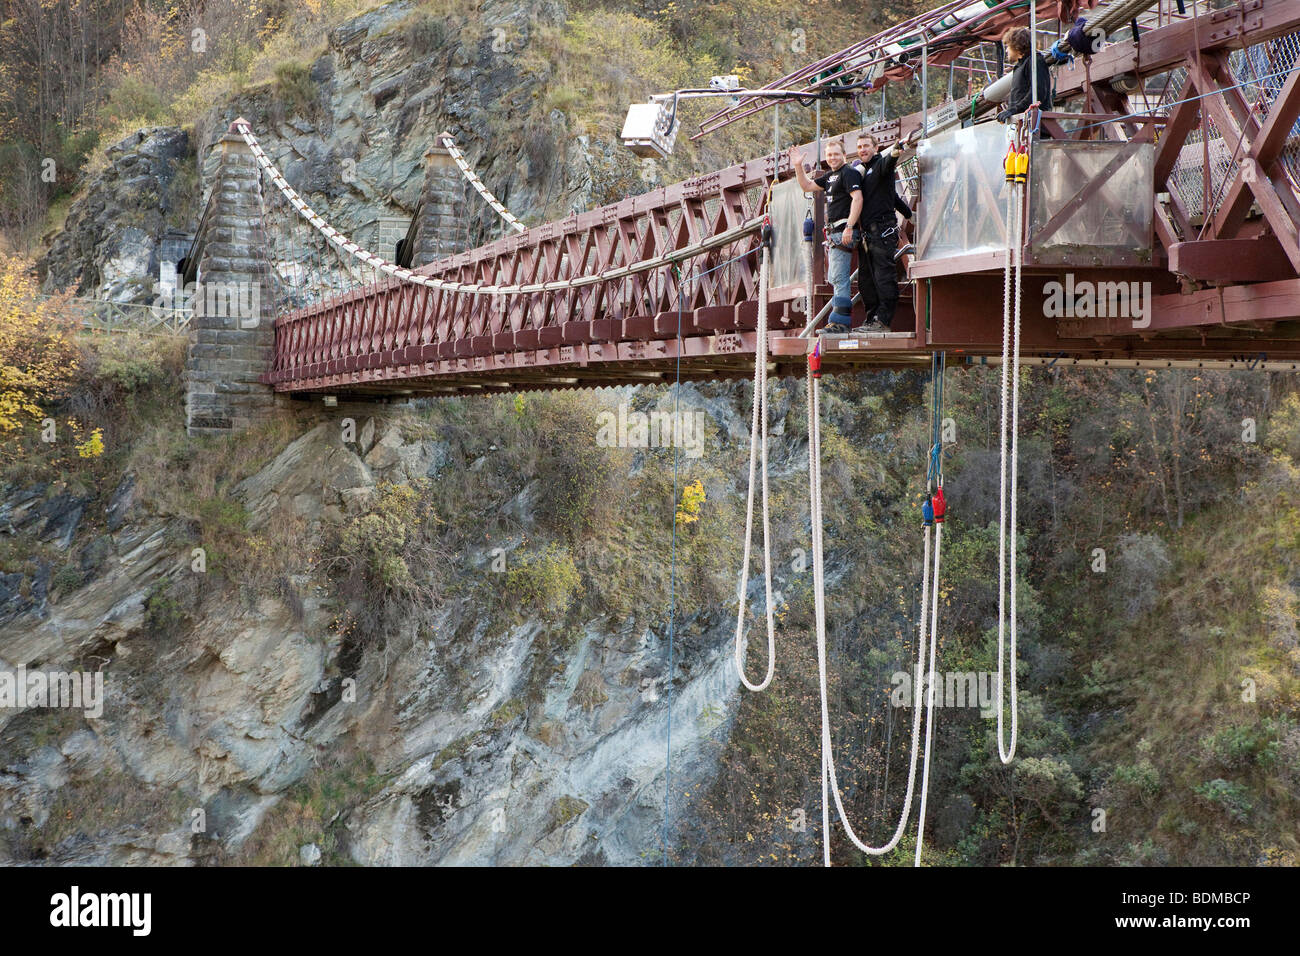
940,506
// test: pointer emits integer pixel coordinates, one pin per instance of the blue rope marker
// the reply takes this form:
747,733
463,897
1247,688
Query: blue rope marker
935,471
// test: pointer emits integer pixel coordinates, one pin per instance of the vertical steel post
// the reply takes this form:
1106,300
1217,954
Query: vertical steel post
819,134
1033,51
925,88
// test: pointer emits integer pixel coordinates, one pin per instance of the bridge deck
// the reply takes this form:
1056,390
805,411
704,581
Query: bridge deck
600,300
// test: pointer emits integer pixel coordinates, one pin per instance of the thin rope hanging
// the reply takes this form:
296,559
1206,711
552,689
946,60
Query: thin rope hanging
933,512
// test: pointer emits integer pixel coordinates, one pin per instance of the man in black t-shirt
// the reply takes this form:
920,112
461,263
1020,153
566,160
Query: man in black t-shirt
843,188
877,272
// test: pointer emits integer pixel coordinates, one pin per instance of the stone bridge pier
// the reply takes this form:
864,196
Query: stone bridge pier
232,333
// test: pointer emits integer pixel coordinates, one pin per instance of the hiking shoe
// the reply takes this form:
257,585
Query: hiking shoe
833,328
875,325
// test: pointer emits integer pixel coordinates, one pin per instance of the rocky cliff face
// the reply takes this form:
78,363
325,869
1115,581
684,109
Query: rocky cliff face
110,244
487,743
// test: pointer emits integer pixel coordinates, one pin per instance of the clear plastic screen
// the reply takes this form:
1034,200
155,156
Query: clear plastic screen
1090,203
963,192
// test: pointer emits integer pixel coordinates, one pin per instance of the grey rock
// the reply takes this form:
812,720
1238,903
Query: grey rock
62,517
121,503
108,248
94,555
21,508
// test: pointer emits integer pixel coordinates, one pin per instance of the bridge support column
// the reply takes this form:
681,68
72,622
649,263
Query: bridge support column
441,230
232,332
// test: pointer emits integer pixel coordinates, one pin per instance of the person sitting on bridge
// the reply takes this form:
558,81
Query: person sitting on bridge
843,188
1019,47
877,274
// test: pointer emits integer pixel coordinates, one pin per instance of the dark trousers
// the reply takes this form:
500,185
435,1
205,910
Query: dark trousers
877,273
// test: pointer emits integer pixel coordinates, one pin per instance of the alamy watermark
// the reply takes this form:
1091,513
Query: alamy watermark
1101,300
127,910
78,690
951,689
656,429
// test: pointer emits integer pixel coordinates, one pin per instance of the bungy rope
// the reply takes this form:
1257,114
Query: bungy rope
830,783
406,275
450,145
1010,387
760,411
934,511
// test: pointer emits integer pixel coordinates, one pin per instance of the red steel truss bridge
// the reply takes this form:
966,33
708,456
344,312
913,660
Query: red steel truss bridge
1169,188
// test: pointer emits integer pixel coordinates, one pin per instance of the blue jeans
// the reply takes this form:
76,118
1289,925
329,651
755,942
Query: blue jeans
839,273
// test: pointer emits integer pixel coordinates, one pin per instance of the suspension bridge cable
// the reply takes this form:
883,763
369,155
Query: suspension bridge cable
346,245
450,145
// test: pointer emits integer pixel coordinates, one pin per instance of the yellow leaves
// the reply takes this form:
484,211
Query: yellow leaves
688,510
37,350
93,446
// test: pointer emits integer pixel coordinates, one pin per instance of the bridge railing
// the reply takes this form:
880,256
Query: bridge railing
714,289
101,315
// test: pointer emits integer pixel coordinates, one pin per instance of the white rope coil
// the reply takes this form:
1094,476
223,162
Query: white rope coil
760,411
1011,385
830,784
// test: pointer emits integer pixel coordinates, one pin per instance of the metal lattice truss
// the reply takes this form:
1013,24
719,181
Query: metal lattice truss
667,280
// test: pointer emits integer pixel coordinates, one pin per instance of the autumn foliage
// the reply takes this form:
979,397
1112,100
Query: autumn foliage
38,351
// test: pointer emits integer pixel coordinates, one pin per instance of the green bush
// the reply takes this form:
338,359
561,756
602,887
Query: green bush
66,579
137,100
1234,748
133,362
163,614
296,89
543,582
377,541
390,567
575,475
1231,797
1140,780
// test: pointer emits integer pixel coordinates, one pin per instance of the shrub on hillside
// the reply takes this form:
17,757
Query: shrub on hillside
543,582
389,565
1227,795
576,476
38,353
1234,748
1142,561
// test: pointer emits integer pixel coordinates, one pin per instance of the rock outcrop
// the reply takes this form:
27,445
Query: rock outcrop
494,743
109,246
